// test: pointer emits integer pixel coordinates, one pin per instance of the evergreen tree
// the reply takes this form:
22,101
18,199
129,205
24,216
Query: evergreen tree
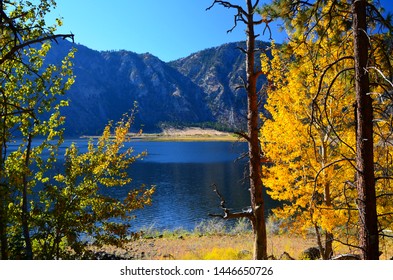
338,104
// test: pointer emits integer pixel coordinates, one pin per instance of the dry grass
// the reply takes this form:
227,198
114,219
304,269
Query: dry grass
216,246
191,246
213,240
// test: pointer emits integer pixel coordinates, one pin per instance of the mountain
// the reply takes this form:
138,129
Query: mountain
197,89
220,73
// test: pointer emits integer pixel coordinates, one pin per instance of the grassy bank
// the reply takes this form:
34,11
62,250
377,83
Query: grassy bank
213,241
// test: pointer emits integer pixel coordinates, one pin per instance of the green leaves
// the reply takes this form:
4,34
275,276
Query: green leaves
30,100
74,203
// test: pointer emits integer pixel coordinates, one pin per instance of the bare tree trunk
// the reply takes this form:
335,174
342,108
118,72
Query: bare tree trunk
257,216
256,186
368,220
254,149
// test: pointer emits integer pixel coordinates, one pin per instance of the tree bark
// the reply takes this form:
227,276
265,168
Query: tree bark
254,149
3,233
368,220
25,208
257,216
3,203
327,251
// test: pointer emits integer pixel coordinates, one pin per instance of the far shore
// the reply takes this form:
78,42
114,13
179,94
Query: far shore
189,134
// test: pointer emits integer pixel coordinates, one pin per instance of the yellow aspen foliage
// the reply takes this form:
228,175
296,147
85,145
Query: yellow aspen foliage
308,135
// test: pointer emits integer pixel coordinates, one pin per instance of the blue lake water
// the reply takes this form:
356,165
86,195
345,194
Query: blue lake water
183,173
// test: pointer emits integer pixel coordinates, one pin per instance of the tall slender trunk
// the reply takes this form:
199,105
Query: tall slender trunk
254,149
327,251
3,209
25,208
368,220
3,230
3,185
3,189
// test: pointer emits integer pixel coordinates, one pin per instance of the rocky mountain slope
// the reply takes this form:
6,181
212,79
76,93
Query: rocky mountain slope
198,89
220,72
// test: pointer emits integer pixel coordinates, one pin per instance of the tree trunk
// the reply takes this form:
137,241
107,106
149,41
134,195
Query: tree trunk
3,200
3,233
327,251
254,149
25,209
257,215
368,221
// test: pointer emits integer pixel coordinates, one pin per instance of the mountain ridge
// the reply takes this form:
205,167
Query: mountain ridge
198,89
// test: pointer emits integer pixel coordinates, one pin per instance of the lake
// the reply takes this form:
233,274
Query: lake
183,173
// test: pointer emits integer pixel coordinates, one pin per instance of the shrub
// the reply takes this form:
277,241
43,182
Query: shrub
211,227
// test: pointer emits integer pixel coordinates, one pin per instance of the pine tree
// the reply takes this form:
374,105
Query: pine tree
323,57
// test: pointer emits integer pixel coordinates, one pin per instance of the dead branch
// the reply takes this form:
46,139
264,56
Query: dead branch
240,16
242,50
243,135
246,213
244,85
384,194
385,214
385,235
381,74
347,244
18,47
271,257
285,256
243,16
346,257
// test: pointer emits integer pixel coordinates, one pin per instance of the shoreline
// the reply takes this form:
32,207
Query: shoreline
189,134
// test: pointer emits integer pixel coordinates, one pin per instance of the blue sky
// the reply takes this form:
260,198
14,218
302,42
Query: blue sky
168,29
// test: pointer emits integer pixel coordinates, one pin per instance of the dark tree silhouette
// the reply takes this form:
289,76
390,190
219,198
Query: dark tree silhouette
367,202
